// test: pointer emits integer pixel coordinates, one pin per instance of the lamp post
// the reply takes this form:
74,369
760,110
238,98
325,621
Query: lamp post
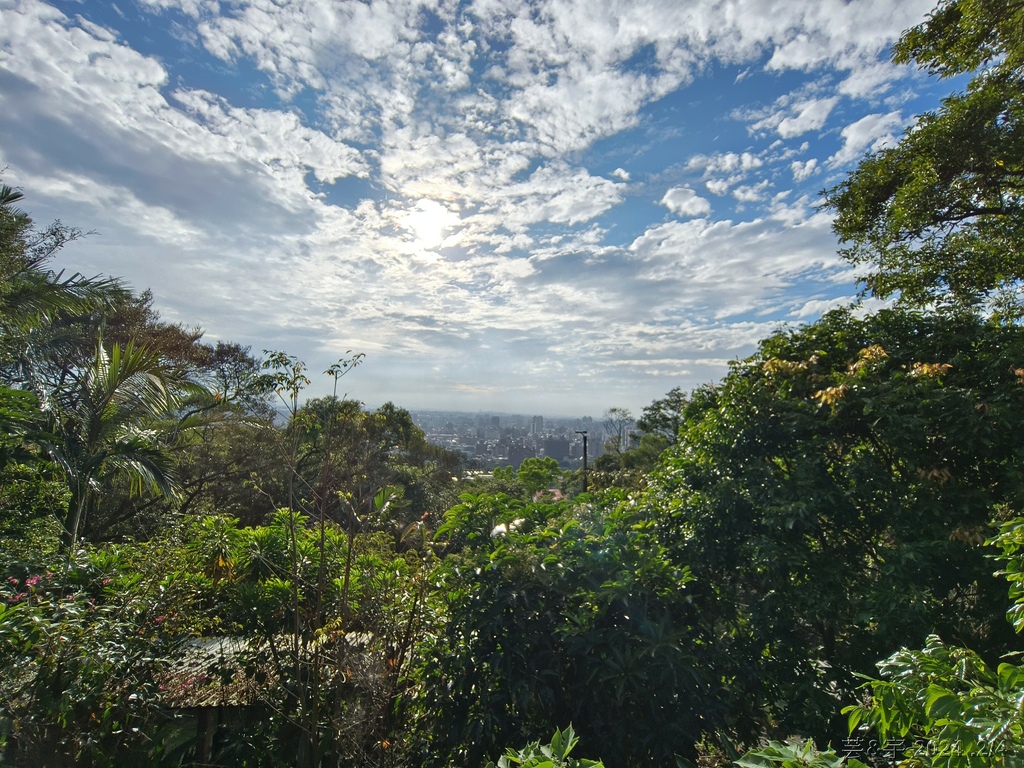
584,434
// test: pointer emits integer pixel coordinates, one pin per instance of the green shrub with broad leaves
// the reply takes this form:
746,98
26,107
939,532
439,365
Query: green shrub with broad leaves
795,754
552,755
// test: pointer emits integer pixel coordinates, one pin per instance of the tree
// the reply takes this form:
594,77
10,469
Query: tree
29,492
938,219
133,318
574,614
29,292
944,705
344,448
41,310
103,427
617,423
664,416
333,693
538,474
231,371
831,496
93,403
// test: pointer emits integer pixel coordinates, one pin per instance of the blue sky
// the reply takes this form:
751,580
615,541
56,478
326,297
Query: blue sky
552,207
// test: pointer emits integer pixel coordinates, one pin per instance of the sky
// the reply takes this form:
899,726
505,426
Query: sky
552,207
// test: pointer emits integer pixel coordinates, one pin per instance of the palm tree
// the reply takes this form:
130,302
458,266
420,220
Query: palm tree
44,314
106,426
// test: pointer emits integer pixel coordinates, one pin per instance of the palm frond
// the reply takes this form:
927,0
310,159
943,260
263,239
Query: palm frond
34,296
144,461
9,194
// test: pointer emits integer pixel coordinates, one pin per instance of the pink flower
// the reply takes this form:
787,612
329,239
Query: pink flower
31,581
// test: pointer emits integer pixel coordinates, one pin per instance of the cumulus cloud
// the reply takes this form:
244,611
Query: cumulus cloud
794,119
273,138
814,308
721,187
751,193
555,194
869,80
723,171
807,116
685,202
730,269
803,170
728,162
864,27
870,132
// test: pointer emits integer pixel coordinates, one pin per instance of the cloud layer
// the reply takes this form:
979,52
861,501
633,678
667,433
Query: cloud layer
555,206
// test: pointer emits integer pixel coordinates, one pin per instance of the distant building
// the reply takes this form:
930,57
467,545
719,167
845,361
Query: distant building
556,449
518,454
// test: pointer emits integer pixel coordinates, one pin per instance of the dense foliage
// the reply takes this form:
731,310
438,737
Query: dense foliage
830,497
938,218
563,612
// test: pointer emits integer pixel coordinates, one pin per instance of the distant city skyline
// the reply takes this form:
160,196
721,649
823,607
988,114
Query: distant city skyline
556,206
489,440
521,419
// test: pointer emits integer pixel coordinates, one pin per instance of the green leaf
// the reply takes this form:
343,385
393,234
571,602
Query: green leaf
940,703
1011,677
854,715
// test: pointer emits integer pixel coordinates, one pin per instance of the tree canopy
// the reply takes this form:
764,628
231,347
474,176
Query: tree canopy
938,218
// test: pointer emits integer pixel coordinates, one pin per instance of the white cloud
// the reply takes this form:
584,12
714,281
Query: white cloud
579,108
274,138
428,222
751,193
803,170
728,270
814,308
808,116
792,114
869,80
190,7
723,171
685,202
557,194
721,186
728,162
870,132
846,34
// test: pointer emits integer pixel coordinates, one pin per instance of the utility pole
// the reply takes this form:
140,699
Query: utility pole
584,434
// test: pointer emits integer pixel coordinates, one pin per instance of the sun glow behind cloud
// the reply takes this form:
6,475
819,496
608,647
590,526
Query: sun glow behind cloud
543,203
429,222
